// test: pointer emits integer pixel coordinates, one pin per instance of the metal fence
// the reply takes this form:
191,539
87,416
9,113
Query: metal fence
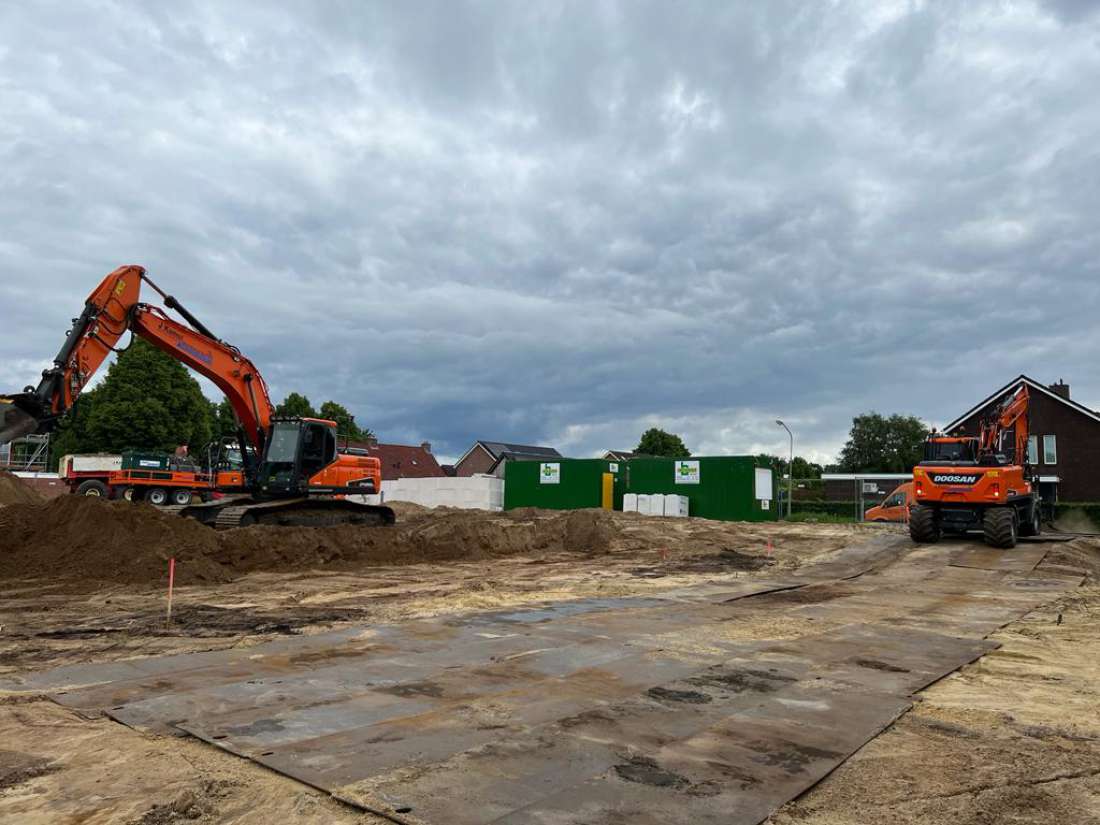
29,453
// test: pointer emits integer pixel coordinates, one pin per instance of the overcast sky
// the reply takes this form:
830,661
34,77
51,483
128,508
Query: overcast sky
561,223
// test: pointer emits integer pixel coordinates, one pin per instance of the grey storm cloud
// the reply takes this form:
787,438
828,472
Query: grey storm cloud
565,222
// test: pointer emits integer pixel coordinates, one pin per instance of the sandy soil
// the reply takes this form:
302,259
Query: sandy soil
14,491
1014,738
1010,739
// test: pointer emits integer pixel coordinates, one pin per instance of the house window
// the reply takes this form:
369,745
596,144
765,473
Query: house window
1050,449
1033,449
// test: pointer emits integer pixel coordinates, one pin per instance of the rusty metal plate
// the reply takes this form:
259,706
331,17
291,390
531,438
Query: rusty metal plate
595,711
1016,560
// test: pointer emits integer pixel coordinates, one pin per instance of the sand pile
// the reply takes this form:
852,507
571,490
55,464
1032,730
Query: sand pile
14,491
74,538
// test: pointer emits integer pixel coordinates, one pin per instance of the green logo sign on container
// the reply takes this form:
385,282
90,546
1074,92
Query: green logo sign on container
550,473
687,472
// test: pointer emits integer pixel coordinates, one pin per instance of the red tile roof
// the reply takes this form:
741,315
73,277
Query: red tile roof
402,460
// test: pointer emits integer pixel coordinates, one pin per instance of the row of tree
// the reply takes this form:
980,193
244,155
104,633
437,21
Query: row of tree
876,443
149,401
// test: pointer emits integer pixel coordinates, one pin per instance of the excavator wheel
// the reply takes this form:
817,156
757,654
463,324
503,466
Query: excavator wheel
1032,526
924,527
999,526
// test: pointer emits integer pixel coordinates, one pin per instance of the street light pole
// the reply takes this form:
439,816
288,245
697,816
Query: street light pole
790,469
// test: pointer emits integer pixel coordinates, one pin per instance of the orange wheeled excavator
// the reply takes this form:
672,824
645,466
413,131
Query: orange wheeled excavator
294,473
979,482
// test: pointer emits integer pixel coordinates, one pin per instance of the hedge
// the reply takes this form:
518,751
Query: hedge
1089,508
833,508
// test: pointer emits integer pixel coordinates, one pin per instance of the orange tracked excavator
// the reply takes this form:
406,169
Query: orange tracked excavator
979,482
294,474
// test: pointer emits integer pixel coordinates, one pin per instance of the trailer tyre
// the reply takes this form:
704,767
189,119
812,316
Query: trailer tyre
181,498
924,527
999,526
158,496
93,488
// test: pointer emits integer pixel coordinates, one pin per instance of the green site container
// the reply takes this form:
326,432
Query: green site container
717,487
137,460
561,484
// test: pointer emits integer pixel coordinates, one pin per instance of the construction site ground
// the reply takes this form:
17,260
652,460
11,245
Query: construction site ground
1013,737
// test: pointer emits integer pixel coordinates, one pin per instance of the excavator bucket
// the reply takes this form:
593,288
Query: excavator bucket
15,420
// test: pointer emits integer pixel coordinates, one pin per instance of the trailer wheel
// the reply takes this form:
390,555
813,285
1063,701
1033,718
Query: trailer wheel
158,496
999,526
924,527
93,488
181,498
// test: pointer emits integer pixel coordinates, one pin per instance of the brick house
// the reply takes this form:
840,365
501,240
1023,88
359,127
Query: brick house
400,460
489,457
1064,443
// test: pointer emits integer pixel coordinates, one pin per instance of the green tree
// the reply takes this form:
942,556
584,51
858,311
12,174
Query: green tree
345,421
223,421
147,401
296,404
656,442
71,433
883,445
803,468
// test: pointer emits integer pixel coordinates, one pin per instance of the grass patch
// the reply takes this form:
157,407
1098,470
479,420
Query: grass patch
820,518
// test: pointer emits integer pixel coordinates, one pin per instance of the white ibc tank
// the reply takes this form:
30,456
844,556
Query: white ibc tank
657,504
630,502
643,504
676,506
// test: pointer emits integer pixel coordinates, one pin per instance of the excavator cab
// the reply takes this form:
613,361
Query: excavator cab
297,450
951,451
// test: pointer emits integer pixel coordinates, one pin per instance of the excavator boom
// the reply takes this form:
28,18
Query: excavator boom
109,311
305,481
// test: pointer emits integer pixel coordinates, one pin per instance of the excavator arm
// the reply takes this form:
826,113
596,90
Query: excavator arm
1012,413
111,310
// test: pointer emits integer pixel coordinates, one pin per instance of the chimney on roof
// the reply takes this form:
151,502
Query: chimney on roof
1060,389
426,446
372,442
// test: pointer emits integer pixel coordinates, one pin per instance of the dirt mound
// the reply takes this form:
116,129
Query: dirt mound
75,538
1082,554
455,535
14,491
1076,521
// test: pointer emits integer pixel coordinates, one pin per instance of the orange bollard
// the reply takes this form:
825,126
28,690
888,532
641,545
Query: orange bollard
171,583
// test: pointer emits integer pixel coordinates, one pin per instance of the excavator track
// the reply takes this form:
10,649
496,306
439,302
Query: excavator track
294,512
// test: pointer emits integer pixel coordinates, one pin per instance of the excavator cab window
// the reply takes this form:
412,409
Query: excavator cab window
318,448
283,447
949,452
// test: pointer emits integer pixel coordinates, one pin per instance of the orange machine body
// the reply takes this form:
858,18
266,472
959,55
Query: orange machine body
968,482
112,309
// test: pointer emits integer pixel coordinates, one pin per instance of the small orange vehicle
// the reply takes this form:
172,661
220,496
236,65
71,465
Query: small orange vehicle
895,507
